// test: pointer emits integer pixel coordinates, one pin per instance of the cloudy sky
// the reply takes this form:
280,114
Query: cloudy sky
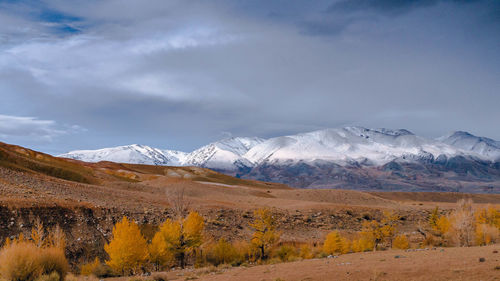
179,74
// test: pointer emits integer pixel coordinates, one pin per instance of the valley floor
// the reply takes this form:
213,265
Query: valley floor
430,264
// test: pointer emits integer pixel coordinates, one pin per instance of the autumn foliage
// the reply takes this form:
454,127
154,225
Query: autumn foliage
128,250
466,226
177,239
41,256
265,234
336,244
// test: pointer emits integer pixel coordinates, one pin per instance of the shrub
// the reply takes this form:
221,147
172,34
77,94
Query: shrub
362,244
286,253
486,234
51,260
24,261
334,243
104,271
401,242
88,268
222,252
95,268
306,252
246,251
18,262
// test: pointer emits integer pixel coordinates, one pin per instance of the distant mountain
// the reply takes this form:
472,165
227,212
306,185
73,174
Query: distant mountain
348,145
480,145
226,154
350,157
133,154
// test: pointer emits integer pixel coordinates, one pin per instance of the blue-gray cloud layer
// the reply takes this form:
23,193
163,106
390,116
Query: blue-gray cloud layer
177,74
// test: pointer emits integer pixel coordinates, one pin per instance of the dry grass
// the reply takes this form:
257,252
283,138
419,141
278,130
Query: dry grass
23,261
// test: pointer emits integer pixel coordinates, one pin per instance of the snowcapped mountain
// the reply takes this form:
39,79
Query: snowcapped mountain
342,146
483,146
350,157
347,145
134,154
226,154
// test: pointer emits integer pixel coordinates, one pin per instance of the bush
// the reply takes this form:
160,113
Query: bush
486,234
18,262
222,252
401,242
286,253
97,269
306,252
362,244
334,243
23,261
53,260
89,268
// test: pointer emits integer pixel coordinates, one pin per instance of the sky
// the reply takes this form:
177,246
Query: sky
180,74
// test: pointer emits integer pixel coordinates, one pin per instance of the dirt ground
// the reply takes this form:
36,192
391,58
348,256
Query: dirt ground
424,265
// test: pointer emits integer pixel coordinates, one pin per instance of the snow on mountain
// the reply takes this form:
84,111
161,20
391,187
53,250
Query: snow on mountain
340,146
344,145
135,154
485,147
224,155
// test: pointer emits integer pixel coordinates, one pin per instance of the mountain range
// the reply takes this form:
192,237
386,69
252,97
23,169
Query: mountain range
349,157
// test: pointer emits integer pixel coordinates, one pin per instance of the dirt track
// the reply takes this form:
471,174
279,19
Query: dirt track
439,264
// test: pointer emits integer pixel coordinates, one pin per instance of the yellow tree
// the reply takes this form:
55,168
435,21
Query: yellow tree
128,250
490,216
362,244
37,234
401,242
159,251
265,235
433,218
177,239
335,243
443,225
372,231
388,227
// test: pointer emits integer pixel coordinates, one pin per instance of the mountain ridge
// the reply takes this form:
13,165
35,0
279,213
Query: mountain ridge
342,145
359,157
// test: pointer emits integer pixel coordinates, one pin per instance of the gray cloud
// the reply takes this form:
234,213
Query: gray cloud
177,74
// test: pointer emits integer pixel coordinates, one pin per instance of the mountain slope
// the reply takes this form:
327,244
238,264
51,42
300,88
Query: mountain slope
226,154
133,154
483,146
349,158
348,145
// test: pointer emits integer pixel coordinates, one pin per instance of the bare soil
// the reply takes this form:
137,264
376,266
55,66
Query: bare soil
423,265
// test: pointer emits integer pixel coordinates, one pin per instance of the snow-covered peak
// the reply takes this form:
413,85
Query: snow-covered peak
348,144
225,154
340,146
485,147
135,153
